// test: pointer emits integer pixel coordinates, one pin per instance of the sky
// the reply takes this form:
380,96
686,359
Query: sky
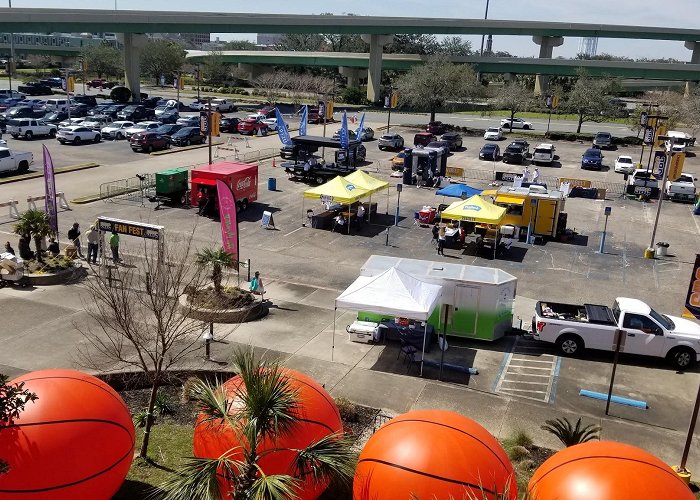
683,14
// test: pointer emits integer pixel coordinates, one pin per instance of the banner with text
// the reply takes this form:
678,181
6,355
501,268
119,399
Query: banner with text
50,191
229,220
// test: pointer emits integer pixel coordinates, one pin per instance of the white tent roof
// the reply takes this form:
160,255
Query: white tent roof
391,292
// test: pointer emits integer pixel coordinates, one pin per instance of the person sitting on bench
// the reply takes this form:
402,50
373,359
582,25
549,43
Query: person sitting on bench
340,221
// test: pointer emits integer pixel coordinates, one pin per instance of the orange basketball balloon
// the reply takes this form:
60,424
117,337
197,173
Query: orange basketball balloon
76,440
433,454
605,470
318,417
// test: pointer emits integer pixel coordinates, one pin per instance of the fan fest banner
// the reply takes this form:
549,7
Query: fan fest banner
692,302
50,191
229,220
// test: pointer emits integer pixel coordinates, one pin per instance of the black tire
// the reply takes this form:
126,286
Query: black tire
526,127
119,136
22,167
682,358
188,142
14,136
320,180
570,344
76,140
52,133
149,149
244,204
28,135
97,138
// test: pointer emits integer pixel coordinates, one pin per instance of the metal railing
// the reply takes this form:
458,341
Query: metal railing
132,189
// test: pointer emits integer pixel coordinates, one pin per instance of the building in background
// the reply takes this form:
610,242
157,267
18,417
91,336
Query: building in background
588,47
269,39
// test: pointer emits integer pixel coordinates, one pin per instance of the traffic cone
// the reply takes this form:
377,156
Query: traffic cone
274,165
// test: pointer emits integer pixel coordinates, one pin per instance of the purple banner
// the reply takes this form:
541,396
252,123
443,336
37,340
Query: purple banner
50,191
229,219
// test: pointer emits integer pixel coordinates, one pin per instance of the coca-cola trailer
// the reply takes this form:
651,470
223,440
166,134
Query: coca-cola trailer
242,178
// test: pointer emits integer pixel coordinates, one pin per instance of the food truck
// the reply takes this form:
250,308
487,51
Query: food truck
534,205
480,298
242,178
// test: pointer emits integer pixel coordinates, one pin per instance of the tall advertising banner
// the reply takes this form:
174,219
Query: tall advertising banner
303,120
361,128
344,139
229,220
50,191
282,130
692,301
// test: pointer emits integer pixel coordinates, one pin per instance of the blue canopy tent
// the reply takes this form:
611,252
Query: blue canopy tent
458,191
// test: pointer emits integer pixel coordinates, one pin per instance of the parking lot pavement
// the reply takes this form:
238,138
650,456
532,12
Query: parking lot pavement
529,371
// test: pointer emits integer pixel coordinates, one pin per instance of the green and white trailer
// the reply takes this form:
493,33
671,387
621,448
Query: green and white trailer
480,298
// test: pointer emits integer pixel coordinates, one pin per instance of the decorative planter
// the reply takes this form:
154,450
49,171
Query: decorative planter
57,278
239,315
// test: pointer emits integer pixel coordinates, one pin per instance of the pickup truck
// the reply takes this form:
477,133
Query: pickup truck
682,189
576,327
317,173
12,161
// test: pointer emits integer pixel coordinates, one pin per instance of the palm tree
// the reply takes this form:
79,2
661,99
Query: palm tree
36,224
218,259
569,434
265,407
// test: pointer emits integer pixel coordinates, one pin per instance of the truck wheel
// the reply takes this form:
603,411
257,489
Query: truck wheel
570,345
52,133
682,358
244,204
28,135
119,136
319,180
22,167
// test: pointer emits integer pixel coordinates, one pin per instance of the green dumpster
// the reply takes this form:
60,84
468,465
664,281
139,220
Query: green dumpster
172,184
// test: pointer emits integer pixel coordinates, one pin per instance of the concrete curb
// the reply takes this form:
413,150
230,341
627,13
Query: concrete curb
186,148
61,170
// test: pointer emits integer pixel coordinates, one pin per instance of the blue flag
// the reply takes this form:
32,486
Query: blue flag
361,128
282,130
304,119
344,141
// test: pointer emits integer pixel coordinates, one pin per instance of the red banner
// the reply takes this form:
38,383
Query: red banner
50,191
229,219
692,302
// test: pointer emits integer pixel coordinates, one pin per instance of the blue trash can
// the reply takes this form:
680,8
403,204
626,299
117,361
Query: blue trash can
271,184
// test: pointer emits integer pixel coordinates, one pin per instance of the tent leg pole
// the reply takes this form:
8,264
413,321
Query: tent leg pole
303,222
369,215
349,217
425,335
335,312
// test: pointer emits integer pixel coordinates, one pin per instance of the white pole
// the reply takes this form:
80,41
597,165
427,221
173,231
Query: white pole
425,335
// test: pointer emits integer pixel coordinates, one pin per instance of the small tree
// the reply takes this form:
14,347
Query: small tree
13,399
436,84
103,59
218,259
36,224
214,68
266,406
138,320
513,98
162,57
591,98
570,434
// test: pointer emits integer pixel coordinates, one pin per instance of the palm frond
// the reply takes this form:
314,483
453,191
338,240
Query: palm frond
210,400
212,256
569,434
329,458
273,487
197,478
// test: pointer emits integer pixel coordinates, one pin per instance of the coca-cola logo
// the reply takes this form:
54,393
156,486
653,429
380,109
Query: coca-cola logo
243,183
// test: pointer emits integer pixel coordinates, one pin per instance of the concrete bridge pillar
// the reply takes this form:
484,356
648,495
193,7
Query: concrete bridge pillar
374,73
694,59
352,75
134,43
547,44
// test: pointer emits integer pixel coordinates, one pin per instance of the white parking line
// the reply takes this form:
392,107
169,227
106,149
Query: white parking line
517,378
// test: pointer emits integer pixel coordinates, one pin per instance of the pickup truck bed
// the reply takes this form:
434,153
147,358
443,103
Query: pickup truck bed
586,313
317,173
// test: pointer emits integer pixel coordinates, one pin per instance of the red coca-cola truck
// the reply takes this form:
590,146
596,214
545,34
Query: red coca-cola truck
242,178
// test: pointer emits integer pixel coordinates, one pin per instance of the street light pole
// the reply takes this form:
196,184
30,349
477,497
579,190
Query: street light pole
486,16
667,165
10,66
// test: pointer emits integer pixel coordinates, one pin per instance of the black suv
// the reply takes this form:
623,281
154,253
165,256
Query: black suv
523,144
188,135
55,117
35,88
514,153
454,139
88,100
136,113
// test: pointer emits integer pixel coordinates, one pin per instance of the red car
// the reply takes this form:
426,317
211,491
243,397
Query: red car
252,126
99,83
267,112
148,141
437,128
314,117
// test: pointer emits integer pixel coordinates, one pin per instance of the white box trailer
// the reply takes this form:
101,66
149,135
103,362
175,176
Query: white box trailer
481,298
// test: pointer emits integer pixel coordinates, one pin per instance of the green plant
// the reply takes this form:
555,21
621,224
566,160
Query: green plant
140,418
218,259
36,224
13,399
353,95
518,453
266,406
347,409
521,438
163,405
570,434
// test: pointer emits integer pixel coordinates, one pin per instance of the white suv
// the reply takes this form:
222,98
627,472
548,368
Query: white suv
28,128
75,134
140,127
116,130
544,154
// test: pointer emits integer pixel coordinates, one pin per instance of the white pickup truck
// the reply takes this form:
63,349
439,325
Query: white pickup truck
682,189
576,327
12,161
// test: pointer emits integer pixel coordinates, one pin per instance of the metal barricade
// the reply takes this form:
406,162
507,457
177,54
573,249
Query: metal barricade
131,190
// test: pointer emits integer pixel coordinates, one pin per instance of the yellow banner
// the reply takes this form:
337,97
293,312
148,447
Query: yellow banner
676,169
454,172
659,132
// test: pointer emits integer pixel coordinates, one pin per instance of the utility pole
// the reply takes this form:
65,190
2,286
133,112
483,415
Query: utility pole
649,253
198,77
208,123
486,16
10,66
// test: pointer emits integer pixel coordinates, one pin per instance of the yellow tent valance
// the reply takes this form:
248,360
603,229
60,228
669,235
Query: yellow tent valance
338,190
474,209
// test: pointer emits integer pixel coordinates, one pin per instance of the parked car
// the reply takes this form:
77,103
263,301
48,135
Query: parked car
14,161
140,127
54,82
544,154
57,104
99,83
100,109
187,136
34,88
85,99
592,158
682,189
397,162
314,116
79,110
188,121
268,112
454,139
116,130
524,144
149,141
30,128
423,139
136,113
197,105
97,122
252,126
168,129
490,152
153,102
11,94
514,153
516,123
9,103
18,112
222,105
228,124
71,121
55,117
493,134
641,177
603,140
624,164
391,141
436,128
113,110
167,114
444,145
75,134
271,123
35,104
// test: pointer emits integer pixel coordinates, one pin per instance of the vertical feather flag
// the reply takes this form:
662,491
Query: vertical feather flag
303,120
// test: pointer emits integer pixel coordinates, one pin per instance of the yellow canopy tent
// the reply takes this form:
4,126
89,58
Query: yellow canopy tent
474,209
338,190
365,181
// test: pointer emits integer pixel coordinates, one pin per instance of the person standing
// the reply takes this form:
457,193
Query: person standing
114,246
74,238
535,175
360,213
93,238
526,175
54,249
9,249
441,241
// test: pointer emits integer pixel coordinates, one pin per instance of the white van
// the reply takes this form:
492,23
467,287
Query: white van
543,155
57,105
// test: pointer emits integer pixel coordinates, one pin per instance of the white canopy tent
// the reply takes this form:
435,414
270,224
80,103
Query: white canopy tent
392,292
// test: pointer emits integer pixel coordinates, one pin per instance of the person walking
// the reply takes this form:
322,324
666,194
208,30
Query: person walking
93,239
535,175
441,241
74,238
526,175
114,246
436,231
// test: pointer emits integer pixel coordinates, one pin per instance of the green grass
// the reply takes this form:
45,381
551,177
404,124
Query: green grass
502,113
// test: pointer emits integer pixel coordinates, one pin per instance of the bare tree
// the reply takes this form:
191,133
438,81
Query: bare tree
514,98
591,98
138,320
270,85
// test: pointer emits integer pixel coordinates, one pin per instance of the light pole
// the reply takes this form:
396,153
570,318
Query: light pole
669,141
486,16
10,66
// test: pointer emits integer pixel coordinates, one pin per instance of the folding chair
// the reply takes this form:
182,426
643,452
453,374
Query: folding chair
407,350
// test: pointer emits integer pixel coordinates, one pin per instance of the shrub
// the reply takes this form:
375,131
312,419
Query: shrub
140,418
569,434
518,453
353,95
347,409
163,405
521,438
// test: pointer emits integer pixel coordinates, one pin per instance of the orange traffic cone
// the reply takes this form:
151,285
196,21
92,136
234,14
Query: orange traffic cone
274,165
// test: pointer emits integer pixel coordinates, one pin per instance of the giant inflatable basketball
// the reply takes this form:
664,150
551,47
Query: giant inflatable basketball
318,417
605,470
76,441
433,454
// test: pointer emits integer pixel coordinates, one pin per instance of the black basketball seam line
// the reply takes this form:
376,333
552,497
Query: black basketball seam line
449,427
605,456
67,485
70,421
432,476
119,399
